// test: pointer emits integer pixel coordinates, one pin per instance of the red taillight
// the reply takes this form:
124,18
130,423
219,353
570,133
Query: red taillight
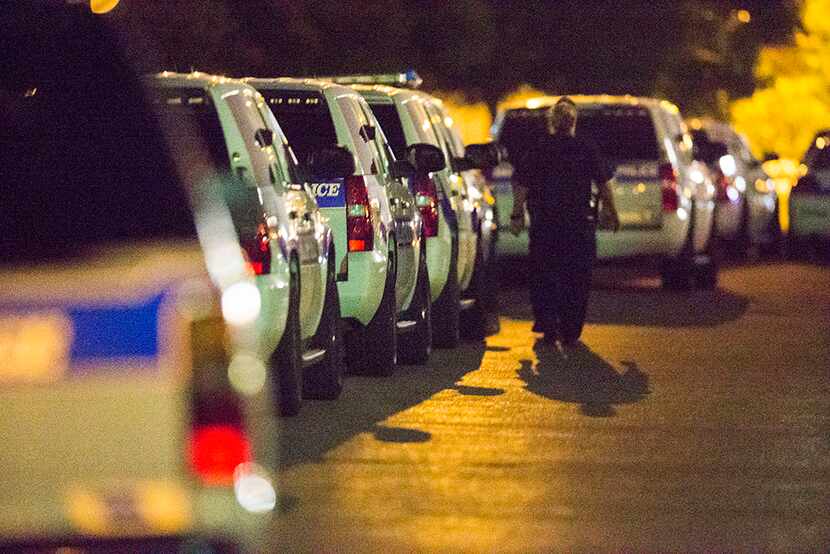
216,451
360,231
722,188
668,180
426,199
258,251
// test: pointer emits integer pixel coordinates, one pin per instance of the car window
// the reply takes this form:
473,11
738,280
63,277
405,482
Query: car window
355,120
172,104
88,166
619,132
437,120
390,121
289,165
304,118
420,120
817,158
380,148
248,118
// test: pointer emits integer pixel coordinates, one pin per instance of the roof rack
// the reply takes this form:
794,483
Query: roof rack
408,79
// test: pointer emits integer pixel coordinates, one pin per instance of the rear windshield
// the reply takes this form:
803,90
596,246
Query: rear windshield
194,105
390,122
818,158
619,133
84,160
304,118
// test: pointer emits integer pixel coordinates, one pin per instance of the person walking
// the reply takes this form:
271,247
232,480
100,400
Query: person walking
554,178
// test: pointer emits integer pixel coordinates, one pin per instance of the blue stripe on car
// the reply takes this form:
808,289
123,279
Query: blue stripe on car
330,194
116,331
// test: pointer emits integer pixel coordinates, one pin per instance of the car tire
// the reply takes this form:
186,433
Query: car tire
415,346
677,273
287,362
473,320
447,307
706,265
373,349
324,381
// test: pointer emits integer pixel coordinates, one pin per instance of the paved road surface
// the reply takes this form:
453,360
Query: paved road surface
688,422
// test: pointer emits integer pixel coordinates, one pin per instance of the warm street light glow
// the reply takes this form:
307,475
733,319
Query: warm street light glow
744,16
102,6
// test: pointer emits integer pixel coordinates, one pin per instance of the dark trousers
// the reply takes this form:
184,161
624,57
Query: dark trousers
561,259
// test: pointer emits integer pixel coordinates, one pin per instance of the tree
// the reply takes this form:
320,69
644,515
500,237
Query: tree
792,101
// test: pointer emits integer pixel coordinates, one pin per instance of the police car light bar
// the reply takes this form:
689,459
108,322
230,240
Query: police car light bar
408,79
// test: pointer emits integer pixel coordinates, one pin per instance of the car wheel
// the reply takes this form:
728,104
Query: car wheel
287,363
415,346
446,308
324,381
473,320
372,349
706,265
676,273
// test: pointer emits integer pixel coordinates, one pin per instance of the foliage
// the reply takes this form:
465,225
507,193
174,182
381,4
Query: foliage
793,100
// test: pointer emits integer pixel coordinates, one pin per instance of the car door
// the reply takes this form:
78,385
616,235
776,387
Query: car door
294,203
402,208
460,200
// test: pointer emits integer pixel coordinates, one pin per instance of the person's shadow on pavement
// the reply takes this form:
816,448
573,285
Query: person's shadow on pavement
580,376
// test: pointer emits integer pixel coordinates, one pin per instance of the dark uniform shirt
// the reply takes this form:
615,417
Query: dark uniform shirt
558,171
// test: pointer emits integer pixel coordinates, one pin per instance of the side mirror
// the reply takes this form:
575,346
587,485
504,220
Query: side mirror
426,158
401,169
334,162
264,137
462,164
770,156
483,156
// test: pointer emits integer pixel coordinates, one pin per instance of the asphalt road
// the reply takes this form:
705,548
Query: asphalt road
687,422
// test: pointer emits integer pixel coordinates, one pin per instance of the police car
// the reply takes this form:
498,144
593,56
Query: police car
377,229
746,209
135,417
453,209
663,196
288,244
810,200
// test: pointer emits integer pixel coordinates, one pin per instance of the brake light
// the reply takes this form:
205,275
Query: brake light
426,199
668,180
722,189
258,251
216,451
360,231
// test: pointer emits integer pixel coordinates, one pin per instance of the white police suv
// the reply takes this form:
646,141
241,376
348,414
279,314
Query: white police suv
663,196
377,229
289,246
447,205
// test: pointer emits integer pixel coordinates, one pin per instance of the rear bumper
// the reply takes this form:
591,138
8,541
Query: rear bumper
212,517
810,215
361,293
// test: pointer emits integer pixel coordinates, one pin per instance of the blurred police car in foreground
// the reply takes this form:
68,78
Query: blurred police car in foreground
664,197
287,244
810,200
377,231
125,295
